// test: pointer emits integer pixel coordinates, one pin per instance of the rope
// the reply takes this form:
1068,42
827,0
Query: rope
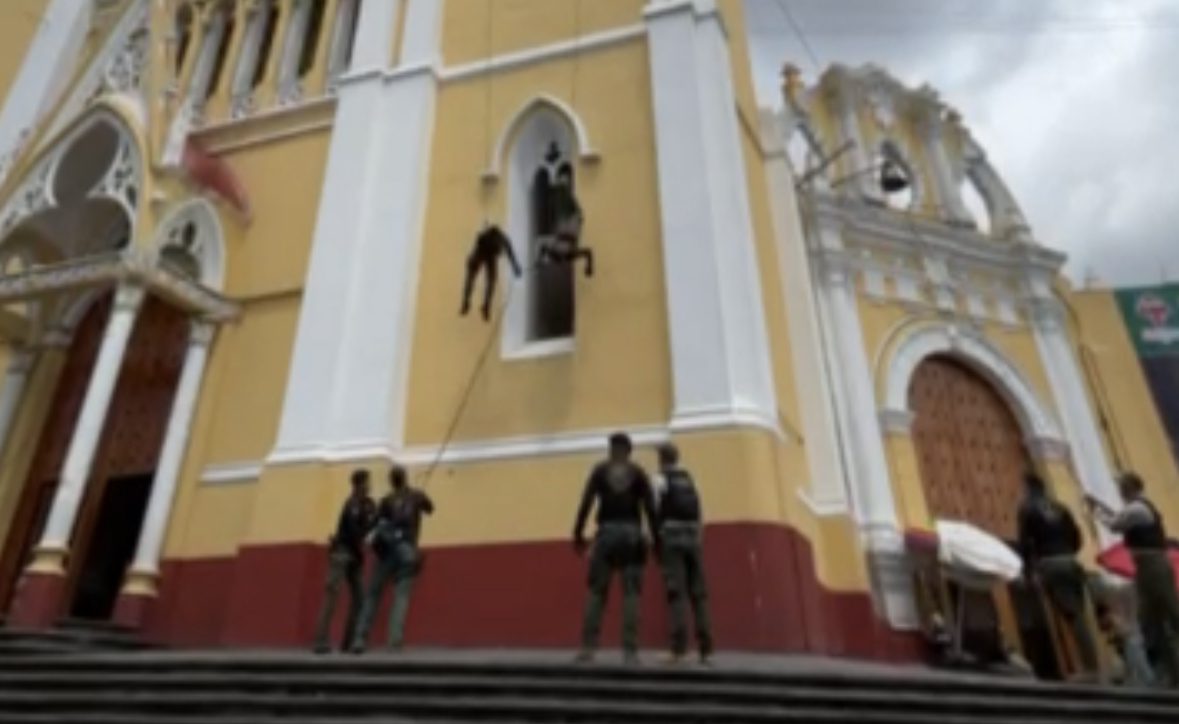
466,398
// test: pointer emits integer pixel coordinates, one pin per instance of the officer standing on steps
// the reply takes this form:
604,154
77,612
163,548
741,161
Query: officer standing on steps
682,556
623,495
1144,533
346,560
395,542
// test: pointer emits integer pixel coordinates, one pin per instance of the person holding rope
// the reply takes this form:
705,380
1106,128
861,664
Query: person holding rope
395,542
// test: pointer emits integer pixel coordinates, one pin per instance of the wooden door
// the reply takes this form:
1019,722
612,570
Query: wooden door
970,448
56,433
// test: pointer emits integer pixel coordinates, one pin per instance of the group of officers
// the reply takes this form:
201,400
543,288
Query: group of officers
624,497
1145,635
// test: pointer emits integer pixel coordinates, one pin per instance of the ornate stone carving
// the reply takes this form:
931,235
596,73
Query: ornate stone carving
122,183
31,198
124,72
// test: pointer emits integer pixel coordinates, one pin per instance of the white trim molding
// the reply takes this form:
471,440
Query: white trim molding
543,53
719,344
507,137
234,473
921,340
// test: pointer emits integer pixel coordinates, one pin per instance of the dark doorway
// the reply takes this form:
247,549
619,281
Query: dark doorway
120,517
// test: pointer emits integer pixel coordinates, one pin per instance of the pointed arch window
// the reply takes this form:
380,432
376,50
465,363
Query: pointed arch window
300,47
542,187
216,49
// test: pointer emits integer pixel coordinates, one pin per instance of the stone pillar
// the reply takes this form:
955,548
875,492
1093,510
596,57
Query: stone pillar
15,381
346,393
873,501
39,601
139,589
719,345
1069,391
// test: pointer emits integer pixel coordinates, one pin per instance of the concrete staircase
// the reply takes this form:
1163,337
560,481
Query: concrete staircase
69,638
236,688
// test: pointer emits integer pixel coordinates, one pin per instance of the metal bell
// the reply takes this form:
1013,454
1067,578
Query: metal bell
892,178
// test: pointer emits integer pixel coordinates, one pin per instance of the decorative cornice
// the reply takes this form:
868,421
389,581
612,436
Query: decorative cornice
111,269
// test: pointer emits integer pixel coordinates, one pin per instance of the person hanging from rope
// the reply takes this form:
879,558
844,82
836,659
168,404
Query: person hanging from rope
484,257
560,219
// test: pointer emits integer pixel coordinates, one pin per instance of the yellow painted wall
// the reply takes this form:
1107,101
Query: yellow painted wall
619,371
527,24
1141,439
19,20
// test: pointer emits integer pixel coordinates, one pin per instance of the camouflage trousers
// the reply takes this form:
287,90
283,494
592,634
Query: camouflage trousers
399,566
618,548
682,561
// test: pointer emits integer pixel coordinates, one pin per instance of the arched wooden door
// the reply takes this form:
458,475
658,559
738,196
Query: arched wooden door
970,448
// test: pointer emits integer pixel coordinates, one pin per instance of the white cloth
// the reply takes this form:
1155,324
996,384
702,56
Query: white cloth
963,547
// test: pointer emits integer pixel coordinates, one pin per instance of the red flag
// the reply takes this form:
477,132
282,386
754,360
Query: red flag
212,173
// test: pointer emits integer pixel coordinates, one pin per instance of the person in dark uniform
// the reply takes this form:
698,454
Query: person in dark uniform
395,542
1050,540
1145,534
682,556
346,560
484,257
622,492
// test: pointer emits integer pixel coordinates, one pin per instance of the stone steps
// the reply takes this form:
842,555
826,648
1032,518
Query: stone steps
168,688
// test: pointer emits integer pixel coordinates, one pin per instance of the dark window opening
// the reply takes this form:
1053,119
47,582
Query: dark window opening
268,31
222,51
183,35
552,307
311,38
350,35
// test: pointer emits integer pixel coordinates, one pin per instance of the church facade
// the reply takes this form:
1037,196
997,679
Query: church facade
233,238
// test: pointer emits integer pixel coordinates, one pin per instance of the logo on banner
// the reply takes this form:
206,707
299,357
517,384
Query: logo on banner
1156,312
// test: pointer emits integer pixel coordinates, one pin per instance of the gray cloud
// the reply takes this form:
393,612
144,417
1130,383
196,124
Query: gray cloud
1074,102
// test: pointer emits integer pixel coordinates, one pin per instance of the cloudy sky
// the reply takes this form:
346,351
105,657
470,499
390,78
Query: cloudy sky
1076,102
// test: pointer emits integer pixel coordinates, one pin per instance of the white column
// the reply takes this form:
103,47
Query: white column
163,487
46,68
813,379
719,347
1069,392
347,389
15,380
873,501
88,431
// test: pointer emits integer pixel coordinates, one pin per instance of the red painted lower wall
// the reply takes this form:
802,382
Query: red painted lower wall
764,597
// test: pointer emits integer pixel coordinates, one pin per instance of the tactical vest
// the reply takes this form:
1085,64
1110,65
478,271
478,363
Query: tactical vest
1147,537
680,502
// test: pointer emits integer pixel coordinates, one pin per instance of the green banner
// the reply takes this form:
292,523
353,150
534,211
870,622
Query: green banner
1152,317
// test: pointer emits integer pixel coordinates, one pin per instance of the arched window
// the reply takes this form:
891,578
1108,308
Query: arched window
269,25
183,31
542,185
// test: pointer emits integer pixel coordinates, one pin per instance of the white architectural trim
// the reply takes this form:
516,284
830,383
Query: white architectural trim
75,474
543,53
508,137
920,340
545,122
46,68
1069,390
16,378
232,473
167,476
350,367
719,344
